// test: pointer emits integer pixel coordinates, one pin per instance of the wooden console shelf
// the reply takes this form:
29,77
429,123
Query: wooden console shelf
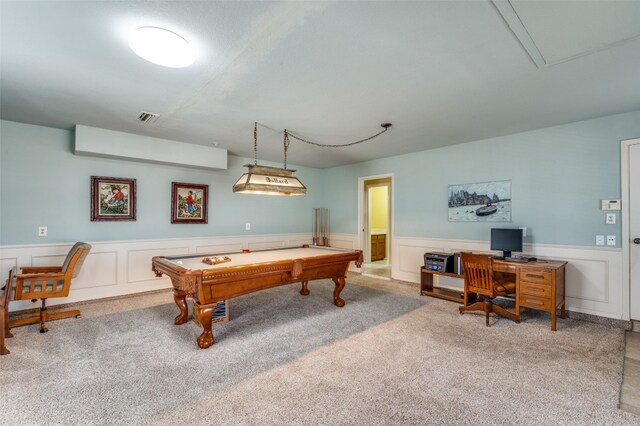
427,288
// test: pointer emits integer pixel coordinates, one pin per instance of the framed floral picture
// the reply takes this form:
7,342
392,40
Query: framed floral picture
189,202
113,198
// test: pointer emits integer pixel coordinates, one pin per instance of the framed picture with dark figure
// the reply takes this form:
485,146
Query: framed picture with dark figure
113,198
189,202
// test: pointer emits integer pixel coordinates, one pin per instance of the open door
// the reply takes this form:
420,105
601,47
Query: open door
375,221
631,224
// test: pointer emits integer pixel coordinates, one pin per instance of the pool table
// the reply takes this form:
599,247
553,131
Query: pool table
246,272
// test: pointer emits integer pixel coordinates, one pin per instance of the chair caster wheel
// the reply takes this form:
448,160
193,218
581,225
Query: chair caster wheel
43,330
78,316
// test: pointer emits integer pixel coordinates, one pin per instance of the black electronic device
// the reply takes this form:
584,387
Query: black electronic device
441,262
458,268
506,240
522,259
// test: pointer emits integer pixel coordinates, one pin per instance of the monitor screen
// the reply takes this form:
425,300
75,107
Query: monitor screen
507,240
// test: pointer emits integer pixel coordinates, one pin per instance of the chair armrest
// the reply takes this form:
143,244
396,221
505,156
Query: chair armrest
41,276
5,294
40,269
27,284
4,317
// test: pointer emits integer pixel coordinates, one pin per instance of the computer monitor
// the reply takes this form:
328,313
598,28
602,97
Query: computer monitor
507,240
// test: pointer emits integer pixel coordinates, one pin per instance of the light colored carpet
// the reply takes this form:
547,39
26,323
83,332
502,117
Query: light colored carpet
387,357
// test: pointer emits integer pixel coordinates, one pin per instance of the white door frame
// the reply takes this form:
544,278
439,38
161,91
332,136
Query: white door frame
626,237
362,225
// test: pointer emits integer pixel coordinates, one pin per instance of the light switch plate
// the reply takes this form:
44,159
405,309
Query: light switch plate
610,204
611,240
611,219
599,240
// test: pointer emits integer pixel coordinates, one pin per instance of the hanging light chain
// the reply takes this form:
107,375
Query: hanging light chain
384,125
255,143
287,142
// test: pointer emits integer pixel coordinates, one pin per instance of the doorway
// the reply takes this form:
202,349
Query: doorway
375,222
630,154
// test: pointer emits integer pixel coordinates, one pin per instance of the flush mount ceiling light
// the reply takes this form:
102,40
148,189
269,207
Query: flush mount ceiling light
267,180
162,47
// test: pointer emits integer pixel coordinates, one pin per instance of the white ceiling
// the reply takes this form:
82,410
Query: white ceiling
442,72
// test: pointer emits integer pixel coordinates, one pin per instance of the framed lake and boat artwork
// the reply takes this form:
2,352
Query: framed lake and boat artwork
112,198
480,202
189,202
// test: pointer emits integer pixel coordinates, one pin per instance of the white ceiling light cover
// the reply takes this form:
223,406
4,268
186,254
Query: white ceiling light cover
162,47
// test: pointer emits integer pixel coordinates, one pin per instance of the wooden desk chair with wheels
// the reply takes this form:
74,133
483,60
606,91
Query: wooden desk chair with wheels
479,280
45,282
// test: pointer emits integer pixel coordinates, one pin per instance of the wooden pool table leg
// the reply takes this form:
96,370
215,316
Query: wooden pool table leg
304,290
340,282
204,314
180,297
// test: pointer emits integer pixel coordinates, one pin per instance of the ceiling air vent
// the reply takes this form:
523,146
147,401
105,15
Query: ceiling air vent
148,117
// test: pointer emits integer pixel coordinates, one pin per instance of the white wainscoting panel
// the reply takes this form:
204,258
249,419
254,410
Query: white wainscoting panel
299,242
139,261
265,245
348,242
593,280
116,268
113,268
98,270
343,241
6,264
48,260
220,248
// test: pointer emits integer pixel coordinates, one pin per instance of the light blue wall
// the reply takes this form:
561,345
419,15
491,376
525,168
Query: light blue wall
559,175
43,184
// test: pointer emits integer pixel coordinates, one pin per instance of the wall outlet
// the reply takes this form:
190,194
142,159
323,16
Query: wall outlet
524,231
247,227
42,231
599,240
611,240
611,219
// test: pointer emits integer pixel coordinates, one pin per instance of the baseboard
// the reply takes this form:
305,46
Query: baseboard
76,305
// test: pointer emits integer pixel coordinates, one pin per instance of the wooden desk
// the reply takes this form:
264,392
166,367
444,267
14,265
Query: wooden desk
539,285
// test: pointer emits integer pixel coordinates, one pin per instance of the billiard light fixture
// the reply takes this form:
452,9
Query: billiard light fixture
267,180
280,181
162,47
